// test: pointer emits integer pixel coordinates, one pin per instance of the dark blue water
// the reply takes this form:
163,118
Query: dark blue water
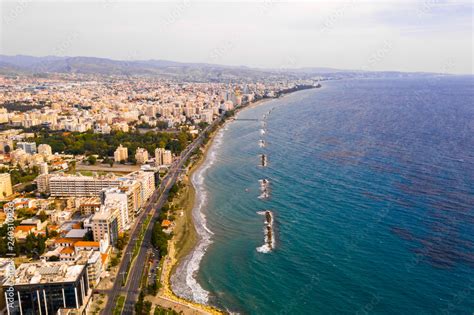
373,196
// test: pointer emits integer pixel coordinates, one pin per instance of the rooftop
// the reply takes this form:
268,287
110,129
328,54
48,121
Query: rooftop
46,272
76,233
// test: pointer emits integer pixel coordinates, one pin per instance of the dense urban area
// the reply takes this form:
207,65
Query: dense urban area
89,168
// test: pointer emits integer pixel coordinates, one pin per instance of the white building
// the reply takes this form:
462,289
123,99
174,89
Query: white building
45,149
79,186
117,199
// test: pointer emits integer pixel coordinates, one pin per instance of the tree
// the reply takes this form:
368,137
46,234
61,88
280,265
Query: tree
159,239
161,125
92,159
203,124
34,246
88,236
42,216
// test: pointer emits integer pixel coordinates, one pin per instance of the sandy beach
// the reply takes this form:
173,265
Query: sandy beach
186,239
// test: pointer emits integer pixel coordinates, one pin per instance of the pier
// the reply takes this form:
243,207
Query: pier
246,119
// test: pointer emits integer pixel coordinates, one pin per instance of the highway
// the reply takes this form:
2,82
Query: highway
132,288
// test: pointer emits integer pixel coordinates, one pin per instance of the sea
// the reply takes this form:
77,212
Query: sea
371,186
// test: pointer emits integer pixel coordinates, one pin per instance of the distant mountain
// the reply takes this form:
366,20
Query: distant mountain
21,64
91,65
23,61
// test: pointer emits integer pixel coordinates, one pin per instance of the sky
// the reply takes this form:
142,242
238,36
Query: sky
403,35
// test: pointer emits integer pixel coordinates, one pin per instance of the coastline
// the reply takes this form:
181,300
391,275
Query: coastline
186,238
188,245
184,241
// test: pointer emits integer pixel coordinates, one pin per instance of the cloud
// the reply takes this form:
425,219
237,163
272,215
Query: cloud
340,34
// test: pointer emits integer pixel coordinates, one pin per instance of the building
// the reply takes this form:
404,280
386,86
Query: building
167,157
118,199
94,268
43,167
46,288
80,186
147,183
28,147
106,224
45,149
132,189
163,157
19,156
207,116
141,156
121,154
7,267
42,181
5,185
88,206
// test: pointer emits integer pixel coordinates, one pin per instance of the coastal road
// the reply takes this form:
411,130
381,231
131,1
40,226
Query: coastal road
132,288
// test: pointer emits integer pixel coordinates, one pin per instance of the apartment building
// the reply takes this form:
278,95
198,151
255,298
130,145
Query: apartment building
106,224
80,186
5,185
141,156
163,157
45,149
121,154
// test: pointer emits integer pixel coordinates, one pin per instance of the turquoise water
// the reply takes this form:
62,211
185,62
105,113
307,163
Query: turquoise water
372,189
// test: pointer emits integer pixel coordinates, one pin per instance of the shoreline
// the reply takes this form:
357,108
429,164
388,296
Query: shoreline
194,244
184,243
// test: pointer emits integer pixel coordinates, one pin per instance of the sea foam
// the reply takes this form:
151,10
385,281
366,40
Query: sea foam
183,281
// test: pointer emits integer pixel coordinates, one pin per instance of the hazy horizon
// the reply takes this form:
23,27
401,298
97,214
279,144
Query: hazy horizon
408,36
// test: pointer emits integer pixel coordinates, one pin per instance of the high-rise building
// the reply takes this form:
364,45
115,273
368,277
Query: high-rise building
167,157
106,224
163,157
47,287
117,198
121,154
5,185
42,181
45,149
43,167
159,156
147,183
133,190
141,156
28,147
